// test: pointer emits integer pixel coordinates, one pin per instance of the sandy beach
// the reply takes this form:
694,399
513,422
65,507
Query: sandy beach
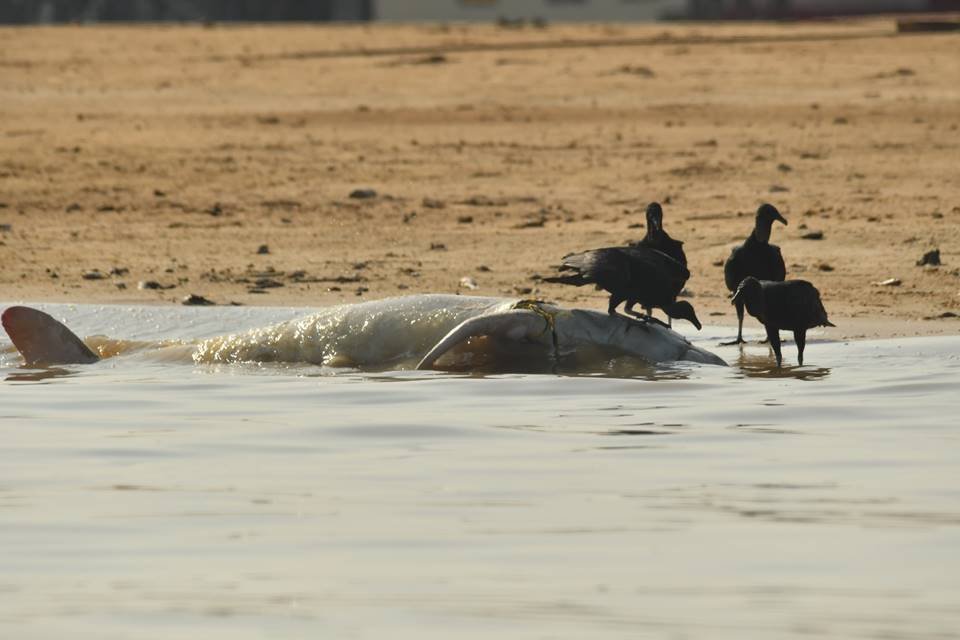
311,165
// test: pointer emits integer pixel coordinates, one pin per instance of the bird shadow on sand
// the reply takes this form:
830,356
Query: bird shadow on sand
755,365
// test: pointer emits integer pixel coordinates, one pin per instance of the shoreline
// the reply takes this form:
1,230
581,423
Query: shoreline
847,329
237,164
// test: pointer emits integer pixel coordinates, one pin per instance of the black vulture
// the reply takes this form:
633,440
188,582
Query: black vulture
659,239
790,305
635,275
756,257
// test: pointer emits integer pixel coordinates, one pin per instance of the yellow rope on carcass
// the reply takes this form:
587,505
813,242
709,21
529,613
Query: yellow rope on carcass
550,318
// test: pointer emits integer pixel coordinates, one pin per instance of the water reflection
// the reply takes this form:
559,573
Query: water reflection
764,366
637,432
624,367
41,374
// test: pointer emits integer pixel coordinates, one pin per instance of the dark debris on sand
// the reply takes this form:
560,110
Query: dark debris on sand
195,300
363,194
930,258
153,284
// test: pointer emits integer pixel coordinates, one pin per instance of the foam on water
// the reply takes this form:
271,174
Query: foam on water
154,500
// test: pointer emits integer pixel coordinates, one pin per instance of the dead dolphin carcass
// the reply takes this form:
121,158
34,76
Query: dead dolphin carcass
422,331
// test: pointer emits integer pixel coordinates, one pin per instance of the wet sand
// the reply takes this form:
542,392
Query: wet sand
171,155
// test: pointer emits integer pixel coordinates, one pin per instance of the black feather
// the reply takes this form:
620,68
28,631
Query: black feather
633,274
791,305
657,238
756,257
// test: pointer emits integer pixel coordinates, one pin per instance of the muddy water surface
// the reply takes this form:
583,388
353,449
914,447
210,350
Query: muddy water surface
156,500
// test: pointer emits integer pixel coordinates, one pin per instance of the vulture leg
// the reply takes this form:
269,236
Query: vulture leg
645,320
644,317
800,336
739,339
614,303
774,337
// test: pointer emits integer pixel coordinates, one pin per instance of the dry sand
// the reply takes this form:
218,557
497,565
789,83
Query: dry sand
171,154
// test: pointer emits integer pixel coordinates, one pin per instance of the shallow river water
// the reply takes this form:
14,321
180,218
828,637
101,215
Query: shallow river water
141,499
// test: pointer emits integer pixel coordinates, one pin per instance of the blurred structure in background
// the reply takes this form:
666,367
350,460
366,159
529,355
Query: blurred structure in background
506,11
532,10
641,10
46,11
800,9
